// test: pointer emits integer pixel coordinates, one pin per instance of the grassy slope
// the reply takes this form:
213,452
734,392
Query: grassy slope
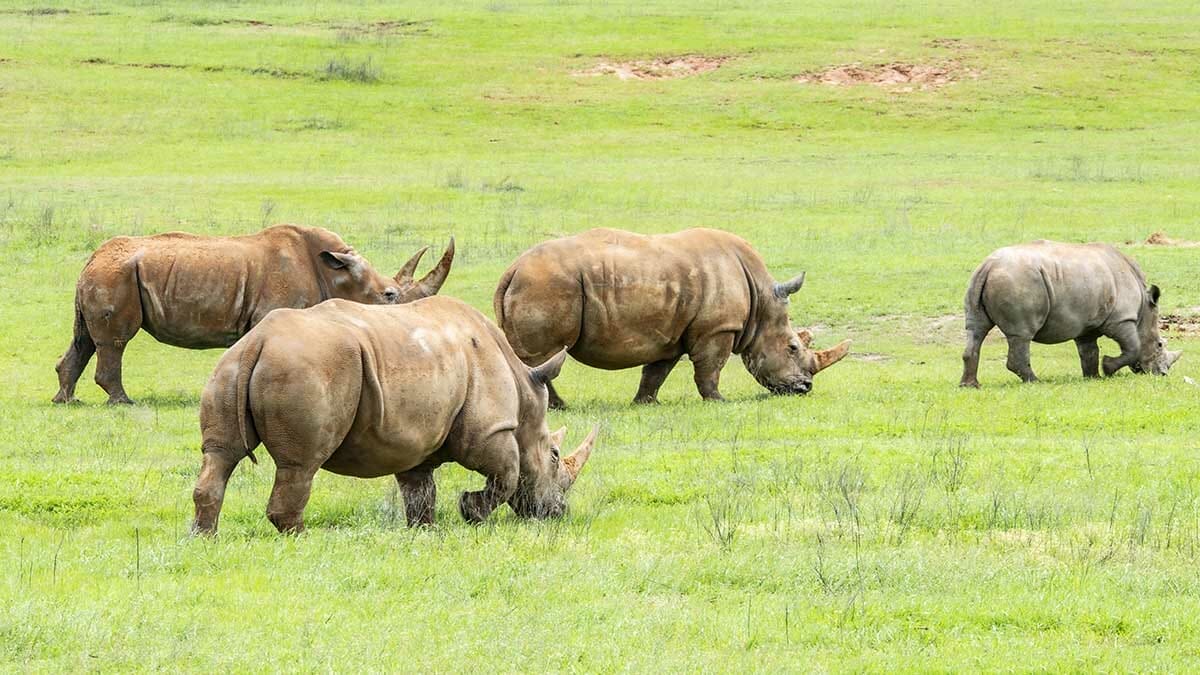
888,520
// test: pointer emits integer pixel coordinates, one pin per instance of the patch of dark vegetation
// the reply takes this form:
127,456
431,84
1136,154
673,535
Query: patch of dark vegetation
350,32
352,74
505,184
316,123
347,71
211,21
895,76
40,11
271,71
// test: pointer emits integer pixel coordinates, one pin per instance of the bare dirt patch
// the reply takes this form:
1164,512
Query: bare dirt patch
666,68
1186,323
1160,238
896,76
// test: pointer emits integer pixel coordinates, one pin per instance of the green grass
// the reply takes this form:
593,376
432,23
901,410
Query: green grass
887,521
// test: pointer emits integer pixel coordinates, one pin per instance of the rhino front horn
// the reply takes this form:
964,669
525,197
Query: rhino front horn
432,282
828,357
790,286
574,463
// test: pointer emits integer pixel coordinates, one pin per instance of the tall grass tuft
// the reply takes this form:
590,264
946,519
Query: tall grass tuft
365,72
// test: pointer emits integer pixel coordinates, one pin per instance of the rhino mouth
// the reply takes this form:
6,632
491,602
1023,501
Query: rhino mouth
795,388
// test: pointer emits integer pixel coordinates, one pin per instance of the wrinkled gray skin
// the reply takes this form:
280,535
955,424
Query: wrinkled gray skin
1049,292
370,390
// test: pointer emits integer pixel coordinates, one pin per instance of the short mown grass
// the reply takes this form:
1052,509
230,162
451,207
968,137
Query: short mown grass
887,521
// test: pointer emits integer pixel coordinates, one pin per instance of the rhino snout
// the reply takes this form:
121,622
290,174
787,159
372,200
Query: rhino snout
798,386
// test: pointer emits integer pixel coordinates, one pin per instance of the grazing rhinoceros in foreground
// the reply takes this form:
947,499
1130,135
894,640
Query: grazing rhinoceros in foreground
371,391
1049,292
617,300
203,292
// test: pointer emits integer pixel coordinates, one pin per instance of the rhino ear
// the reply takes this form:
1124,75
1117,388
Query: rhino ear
782,291
548,370
1154,294
336,260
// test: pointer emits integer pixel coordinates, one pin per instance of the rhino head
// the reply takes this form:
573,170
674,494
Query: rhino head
779,355
1154,357
546,475
351,277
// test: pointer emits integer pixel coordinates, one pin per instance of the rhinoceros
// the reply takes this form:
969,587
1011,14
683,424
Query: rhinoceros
204,292
1049,292
618,300
369,391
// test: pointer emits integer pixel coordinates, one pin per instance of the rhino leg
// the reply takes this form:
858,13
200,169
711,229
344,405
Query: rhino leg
1127,337
108,371
653,376
209,494
709,355
1018,358
975,337
76,358
1089,356
420,495
499,460
556,402
289,496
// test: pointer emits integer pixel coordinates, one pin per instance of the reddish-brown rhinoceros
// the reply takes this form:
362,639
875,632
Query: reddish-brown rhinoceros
204,292
1049,292
617,300
372,391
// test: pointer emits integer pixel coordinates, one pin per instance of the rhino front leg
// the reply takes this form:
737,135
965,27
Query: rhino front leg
1089,356
420,495
709,355
215,470
653,376
1018,358
499,460
1127,337
293,485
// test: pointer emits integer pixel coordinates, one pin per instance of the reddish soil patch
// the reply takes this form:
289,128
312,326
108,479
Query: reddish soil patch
1187,325
1160,238
667,68
895,76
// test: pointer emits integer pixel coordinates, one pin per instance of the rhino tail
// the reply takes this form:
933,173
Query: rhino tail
501,291
249,358
975,312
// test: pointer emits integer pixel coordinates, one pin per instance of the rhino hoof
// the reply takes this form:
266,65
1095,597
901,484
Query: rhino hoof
120,400
64,400
969,384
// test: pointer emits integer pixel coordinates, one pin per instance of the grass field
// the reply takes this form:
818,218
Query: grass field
887,521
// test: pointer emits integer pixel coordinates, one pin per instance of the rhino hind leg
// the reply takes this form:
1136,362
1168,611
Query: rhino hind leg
709,355
653,376
108,372
975,337
70,366
420,495
498,459
555,401
1018,358
209,493
1089,356
289,496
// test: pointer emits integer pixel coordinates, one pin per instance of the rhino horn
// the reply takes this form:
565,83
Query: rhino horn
405,275
432,282
574,463
549,370
790,286
828,357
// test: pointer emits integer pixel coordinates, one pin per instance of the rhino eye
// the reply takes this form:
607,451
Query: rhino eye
793,347
554,453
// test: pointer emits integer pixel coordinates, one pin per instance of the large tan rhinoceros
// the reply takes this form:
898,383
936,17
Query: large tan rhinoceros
371,391
617,300
1049,292
204,292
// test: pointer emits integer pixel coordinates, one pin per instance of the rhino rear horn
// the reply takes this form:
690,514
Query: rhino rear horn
405,275
574,463
549,370
828,357
432,282
790,286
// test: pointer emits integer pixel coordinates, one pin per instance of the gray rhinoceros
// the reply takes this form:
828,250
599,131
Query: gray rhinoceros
618,300
369,391
1049,292
204,292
